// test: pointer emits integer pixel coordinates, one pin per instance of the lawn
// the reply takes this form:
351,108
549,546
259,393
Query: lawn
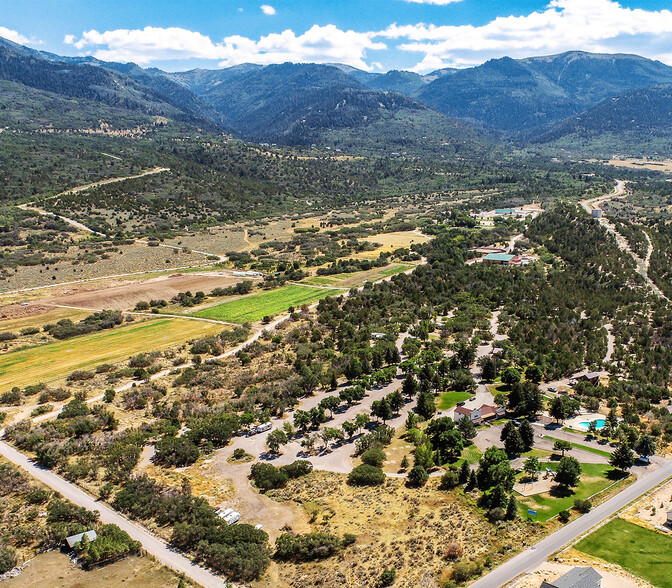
643,552
395,269
584,447
254,307
449,399
594,478
471,454
54,361
319,281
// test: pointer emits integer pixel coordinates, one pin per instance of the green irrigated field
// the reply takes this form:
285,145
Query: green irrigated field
54,361
395,269
254,307
643,552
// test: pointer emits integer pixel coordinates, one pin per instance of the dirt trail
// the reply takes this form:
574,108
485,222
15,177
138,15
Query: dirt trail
82,227
642,265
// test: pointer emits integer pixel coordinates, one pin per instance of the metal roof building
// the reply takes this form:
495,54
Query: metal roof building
74,539
498,257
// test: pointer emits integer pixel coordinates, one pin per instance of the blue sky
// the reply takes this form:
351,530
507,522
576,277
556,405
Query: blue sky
376,35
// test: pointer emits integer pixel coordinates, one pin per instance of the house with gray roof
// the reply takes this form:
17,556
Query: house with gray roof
576,578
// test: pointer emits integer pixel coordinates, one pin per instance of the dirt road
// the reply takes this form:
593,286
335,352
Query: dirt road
150,543
642,265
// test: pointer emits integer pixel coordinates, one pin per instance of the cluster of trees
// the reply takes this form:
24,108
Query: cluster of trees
519,439
54,441
495,478
310,546
111,544
267,477
349,266
239,551
65,328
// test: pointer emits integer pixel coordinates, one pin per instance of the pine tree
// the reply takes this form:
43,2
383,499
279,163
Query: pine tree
464,472
473,481
527,434
512,508
426,407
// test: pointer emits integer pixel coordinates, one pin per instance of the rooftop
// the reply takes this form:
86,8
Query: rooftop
74,539
499,257
577,578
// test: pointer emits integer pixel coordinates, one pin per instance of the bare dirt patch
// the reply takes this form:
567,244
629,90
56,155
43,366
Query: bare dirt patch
633,163
56,570
254,508
652,511
125,295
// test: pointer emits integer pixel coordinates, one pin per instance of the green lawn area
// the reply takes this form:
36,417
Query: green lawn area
54,361
498,388
449,399
471,454
541,453
319,281
395,269
584,447
594,477
643,552
254,307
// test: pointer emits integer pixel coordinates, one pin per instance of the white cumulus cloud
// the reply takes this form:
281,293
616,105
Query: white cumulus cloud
590,25
266,9
319,44
15,36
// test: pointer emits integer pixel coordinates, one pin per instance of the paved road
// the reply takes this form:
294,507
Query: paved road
536,555
150,543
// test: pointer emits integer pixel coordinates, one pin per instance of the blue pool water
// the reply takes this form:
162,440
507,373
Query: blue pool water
600,423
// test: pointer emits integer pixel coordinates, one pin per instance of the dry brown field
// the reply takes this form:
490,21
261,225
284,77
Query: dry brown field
125,295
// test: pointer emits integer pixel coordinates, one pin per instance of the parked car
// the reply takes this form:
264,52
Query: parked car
551,389
472,399
461,403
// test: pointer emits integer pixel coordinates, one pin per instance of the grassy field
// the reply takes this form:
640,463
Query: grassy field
594,477
395,269
449,399
643,552
255,307
392,241
52,362
38,320
320,281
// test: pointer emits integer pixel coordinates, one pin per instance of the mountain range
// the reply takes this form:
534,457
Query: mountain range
537,99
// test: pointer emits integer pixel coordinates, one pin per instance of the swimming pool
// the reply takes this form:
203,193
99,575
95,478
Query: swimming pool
586,424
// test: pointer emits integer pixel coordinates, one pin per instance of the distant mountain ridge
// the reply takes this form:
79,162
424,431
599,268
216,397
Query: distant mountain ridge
531,99
527,94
